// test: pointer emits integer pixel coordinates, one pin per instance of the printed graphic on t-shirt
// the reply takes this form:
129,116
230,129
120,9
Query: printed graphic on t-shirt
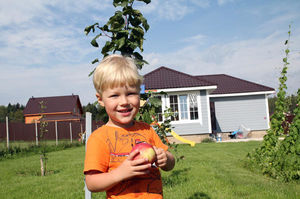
119,150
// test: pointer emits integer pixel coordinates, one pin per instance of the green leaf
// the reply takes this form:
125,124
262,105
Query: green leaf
104,28
145,24
106,48
121,42
138,56
135,21
128,10
94,43
91,73
95,61
284,60
89,28
287,51
146,1
286,42
120,3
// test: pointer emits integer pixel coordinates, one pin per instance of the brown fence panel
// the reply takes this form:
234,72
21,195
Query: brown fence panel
2,131
27,132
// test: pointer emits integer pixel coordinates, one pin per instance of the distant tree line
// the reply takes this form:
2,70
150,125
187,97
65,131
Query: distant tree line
291,103
98,112
13,111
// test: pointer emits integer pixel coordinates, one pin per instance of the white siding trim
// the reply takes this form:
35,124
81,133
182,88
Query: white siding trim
242,94
267,110
200,110
209,113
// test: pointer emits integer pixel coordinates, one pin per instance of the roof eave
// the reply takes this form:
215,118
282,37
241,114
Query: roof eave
242,94
166,90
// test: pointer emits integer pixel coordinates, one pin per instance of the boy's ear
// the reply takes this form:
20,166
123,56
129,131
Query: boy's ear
99,98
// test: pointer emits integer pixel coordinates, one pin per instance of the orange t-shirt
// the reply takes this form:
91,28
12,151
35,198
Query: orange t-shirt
108,147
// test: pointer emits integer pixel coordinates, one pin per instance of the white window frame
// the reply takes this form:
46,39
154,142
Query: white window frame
166,104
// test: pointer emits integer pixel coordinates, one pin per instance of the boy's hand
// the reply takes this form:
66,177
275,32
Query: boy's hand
130,167
165,160
161,157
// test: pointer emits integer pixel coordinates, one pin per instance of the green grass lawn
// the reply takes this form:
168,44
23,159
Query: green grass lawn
210,170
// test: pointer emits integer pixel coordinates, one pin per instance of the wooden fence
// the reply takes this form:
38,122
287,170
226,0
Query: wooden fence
27,132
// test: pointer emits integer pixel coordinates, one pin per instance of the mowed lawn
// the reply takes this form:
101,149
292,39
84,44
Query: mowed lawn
208,170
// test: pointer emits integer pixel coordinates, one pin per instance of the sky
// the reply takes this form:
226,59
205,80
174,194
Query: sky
44,51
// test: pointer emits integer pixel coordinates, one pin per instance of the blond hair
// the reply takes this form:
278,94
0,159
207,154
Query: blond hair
116,70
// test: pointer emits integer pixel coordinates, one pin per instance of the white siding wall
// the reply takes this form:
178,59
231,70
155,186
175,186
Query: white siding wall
251,111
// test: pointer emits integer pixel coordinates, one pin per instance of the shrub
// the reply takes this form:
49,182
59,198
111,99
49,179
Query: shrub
18,151
208,140
280,159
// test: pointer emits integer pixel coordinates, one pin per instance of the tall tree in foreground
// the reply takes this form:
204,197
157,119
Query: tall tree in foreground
280,159
125,33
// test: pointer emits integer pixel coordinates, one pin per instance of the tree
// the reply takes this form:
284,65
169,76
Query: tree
125,30
13,111
290,100
98,112
43,147
3,113
280,159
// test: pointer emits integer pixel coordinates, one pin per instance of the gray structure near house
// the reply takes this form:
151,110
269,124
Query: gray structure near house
210,103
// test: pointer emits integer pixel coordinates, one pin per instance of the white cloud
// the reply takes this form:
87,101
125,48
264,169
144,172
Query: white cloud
196,39
257,60
172,10
18,12
44,52
23,82
15,12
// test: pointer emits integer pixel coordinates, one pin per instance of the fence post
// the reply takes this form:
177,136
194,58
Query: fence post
56,133
7,133
36,134
71,132
88,131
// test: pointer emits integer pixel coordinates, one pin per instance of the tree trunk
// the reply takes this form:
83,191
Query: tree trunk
42,165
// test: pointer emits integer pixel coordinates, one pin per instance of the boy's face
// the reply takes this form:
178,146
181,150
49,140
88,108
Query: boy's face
121,103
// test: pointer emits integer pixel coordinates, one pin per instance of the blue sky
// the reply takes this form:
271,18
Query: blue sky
44,51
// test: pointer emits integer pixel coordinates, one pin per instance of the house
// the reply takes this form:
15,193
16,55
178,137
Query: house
210,103
57,108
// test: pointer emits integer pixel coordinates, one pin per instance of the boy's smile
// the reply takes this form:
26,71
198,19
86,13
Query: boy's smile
121,103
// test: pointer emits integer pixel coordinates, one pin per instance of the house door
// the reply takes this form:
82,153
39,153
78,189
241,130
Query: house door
213,116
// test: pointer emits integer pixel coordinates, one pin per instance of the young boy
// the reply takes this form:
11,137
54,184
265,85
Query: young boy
109,163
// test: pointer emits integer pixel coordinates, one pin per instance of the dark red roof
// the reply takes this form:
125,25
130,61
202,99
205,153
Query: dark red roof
55,104
164,77
229,85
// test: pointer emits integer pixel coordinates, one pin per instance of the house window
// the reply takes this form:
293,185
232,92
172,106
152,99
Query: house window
184,107
174,107
193,107
159,111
